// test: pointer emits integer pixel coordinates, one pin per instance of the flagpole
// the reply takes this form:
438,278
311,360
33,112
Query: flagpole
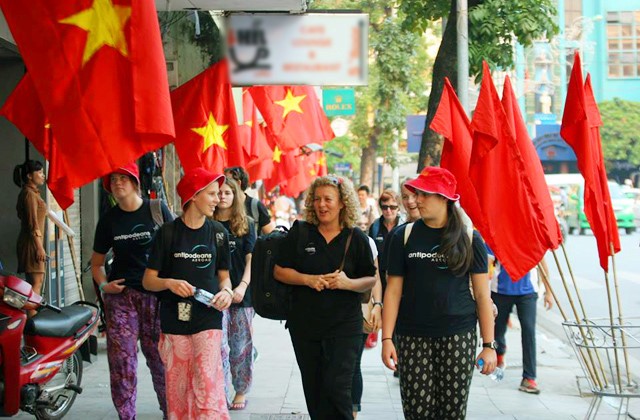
547,285
613,335
584,312
592,369
624,337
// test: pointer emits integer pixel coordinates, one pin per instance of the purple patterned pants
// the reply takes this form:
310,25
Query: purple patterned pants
132,315
237,349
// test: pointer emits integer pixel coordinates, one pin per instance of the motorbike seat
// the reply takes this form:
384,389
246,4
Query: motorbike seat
48,323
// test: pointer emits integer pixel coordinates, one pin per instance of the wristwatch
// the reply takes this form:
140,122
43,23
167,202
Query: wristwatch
491,345
378,303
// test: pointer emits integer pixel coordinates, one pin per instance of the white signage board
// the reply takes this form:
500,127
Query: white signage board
312,49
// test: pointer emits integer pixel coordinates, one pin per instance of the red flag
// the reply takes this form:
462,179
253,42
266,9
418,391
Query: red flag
452,123
293,115
254,139
533,178
206,122
310,166
99,71
24,110
580,123
496,170
285,167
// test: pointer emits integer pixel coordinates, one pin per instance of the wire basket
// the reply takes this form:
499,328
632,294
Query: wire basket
603,352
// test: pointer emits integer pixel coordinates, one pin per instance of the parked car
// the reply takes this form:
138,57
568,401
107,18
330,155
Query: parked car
572,193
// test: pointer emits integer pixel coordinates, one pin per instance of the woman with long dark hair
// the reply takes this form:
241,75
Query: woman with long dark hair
237,330
32,212
429,306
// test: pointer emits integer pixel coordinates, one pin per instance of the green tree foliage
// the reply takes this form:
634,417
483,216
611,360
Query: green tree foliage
621,131
494,28
398,70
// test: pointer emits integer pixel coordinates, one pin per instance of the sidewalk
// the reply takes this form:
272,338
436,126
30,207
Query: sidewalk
277,391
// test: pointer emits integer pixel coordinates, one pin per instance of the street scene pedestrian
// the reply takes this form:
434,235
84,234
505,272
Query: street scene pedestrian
329,272
429,306
523,295
32,211
237,328
189,264
388,183
131,312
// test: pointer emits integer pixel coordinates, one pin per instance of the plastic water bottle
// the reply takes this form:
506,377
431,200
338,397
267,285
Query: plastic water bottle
202,296
498,373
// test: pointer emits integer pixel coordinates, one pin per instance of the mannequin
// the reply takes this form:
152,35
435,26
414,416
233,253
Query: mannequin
32,211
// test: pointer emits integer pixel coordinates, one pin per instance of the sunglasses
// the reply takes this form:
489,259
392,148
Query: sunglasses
388,207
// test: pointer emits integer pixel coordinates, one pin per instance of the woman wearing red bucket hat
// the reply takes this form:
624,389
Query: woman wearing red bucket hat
429,305
191,254
131,312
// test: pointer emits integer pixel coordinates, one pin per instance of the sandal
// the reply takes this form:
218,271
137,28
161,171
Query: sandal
240,405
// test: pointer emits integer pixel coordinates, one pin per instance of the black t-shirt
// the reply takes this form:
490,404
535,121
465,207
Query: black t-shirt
130,235
195,255
263,217
239,248
381,234
435,302
330,313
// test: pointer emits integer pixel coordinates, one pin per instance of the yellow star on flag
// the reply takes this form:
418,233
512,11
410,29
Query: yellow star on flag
322,161
277,154
290,103
248,123
212,133
104,23
312,172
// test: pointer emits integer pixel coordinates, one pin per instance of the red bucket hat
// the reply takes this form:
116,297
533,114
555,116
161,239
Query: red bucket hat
435,180
195,181
130,169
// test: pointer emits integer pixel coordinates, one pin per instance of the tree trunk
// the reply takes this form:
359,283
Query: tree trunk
445,65
368,160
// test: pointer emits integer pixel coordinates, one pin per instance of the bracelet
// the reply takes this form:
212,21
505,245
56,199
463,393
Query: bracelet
378,303
228,290
101,286
388,338
242,281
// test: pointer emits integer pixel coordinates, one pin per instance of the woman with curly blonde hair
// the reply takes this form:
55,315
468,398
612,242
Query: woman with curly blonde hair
329,264
237,340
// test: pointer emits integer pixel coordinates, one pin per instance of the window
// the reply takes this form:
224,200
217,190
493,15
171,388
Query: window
623,44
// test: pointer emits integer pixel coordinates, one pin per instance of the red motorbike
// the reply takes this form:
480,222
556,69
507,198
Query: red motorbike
41,357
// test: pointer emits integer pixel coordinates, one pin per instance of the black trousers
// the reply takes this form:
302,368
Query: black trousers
327,367
357,386
435,375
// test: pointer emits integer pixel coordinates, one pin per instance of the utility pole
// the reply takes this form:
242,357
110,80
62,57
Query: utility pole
462,30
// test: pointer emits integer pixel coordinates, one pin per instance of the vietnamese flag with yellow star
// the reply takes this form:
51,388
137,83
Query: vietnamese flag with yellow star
99,71
253,136
24,110
293,115
206,122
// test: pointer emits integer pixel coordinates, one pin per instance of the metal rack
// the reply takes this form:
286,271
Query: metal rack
602,350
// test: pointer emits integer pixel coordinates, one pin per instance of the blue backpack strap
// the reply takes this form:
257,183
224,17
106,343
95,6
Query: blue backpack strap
375,228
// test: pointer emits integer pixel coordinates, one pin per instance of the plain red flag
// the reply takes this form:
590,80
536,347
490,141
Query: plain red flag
452,123
497,170
206,122
24,110
293,115
542,206
579,131
100,74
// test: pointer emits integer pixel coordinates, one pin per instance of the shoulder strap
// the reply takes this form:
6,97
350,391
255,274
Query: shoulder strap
468,224
303,234
167,243
375,228
407,232
156,211
346,248
254,209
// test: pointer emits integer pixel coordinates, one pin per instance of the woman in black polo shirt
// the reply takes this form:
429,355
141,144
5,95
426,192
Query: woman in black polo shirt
428,303
325,321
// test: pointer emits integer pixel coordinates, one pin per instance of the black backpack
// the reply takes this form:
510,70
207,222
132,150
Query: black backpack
270,298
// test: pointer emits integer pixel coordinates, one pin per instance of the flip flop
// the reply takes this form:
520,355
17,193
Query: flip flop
237,406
